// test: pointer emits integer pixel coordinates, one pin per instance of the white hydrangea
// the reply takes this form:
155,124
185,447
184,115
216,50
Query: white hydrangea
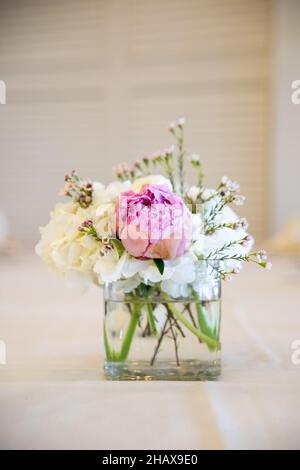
81,260
62,246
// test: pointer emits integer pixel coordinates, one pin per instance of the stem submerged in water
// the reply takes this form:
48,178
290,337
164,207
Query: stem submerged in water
163,332
151,319
122,356
211,342
203,321
113,356
201,328
108,351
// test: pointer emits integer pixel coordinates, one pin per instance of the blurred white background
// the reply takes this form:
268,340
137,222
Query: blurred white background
91,83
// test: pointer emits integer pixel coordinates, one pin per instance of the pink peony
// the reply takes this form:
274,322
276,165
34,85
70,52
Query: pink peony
154,223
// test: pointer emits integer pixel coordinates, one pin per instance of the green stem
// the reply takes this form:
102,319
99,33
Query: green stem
202,319
170,170
213,343
122,356
202,316
108,352
181,162
151,319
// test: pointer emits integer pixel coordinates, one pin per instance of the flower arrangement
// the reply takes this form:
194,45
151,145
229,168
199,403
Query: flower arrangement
150,235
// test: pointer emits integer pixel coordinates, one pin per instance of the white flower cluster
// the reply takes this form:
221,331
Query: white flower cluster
80,258
82,241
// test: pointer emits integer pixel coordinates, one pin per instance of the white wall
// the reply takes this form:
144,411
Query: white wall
91,83
285,202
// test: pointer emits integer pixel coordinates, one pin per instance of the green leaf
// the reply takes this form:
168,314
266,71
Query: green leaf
118,246
142,290
160,265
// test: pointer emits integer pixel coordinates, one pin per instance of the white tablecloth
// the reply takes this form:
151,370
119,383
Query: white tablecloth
53,395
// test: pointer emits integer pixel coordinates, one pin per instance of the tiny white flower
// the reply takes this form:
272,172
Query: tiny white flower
248,241
193,193
261,256
171,149
224,179
181,121
237,269
239,200
233,186
195,158
243,223
207,194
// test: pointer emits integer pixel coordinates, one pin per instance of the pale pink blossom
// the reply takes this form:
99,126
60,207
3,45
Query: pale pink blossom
154,223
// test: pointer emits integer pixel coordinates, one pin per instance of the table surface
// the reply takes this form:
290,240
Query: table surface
53,394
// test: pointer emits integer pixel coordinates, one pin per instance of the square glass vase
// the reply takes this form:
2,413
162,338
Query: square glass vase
151,335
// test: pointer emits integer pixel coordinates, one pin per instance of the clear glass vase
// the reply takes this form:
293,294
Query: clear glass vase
150,335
